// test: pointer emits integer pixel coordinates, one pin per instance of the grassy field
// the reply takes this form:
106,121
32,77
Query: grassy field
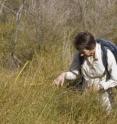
27,95
35,47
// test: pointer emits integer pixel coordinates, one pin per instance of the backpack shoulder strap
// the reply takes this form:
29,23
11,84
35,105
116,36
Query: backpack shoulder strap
104,60
104,47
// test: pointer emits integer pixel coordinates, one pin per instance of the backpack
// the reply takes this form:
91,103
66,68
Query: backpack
78,60
104,46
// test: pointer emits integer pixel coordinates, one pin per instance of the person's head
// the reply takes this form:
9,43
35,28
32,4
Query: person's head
85,43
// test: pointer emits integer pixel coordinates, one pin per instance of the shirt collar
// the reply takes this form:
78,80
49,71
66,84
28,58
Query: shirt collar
97,49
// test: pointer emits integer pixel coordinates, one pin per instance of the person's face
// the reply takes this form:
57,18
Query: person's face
87,53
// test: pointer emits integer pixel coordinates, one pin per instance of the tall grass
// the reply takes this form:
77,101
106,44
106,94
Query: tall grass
27,95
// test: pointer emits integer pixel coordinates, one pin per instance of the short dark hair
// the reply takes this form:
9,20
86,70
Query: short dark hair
84,40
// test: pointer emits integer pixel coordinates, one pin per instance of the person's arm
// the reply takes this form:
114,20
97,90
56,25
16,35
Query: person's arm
71,74
74,67
112,67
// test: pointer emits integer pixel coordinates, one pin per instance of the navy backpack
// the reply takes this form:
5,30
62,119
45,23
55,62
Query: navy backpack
104,46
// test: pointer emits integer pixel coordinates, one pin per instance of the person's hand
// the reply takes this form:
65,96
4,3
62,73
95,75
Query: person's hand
59,81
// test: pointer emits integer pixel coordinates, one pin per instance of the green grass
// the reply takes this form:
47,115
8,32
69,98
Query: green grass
27,95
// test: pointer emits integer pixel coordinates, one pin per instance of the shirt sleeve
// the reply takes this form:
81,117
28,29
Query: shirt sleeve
112,67
71,75
74,68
